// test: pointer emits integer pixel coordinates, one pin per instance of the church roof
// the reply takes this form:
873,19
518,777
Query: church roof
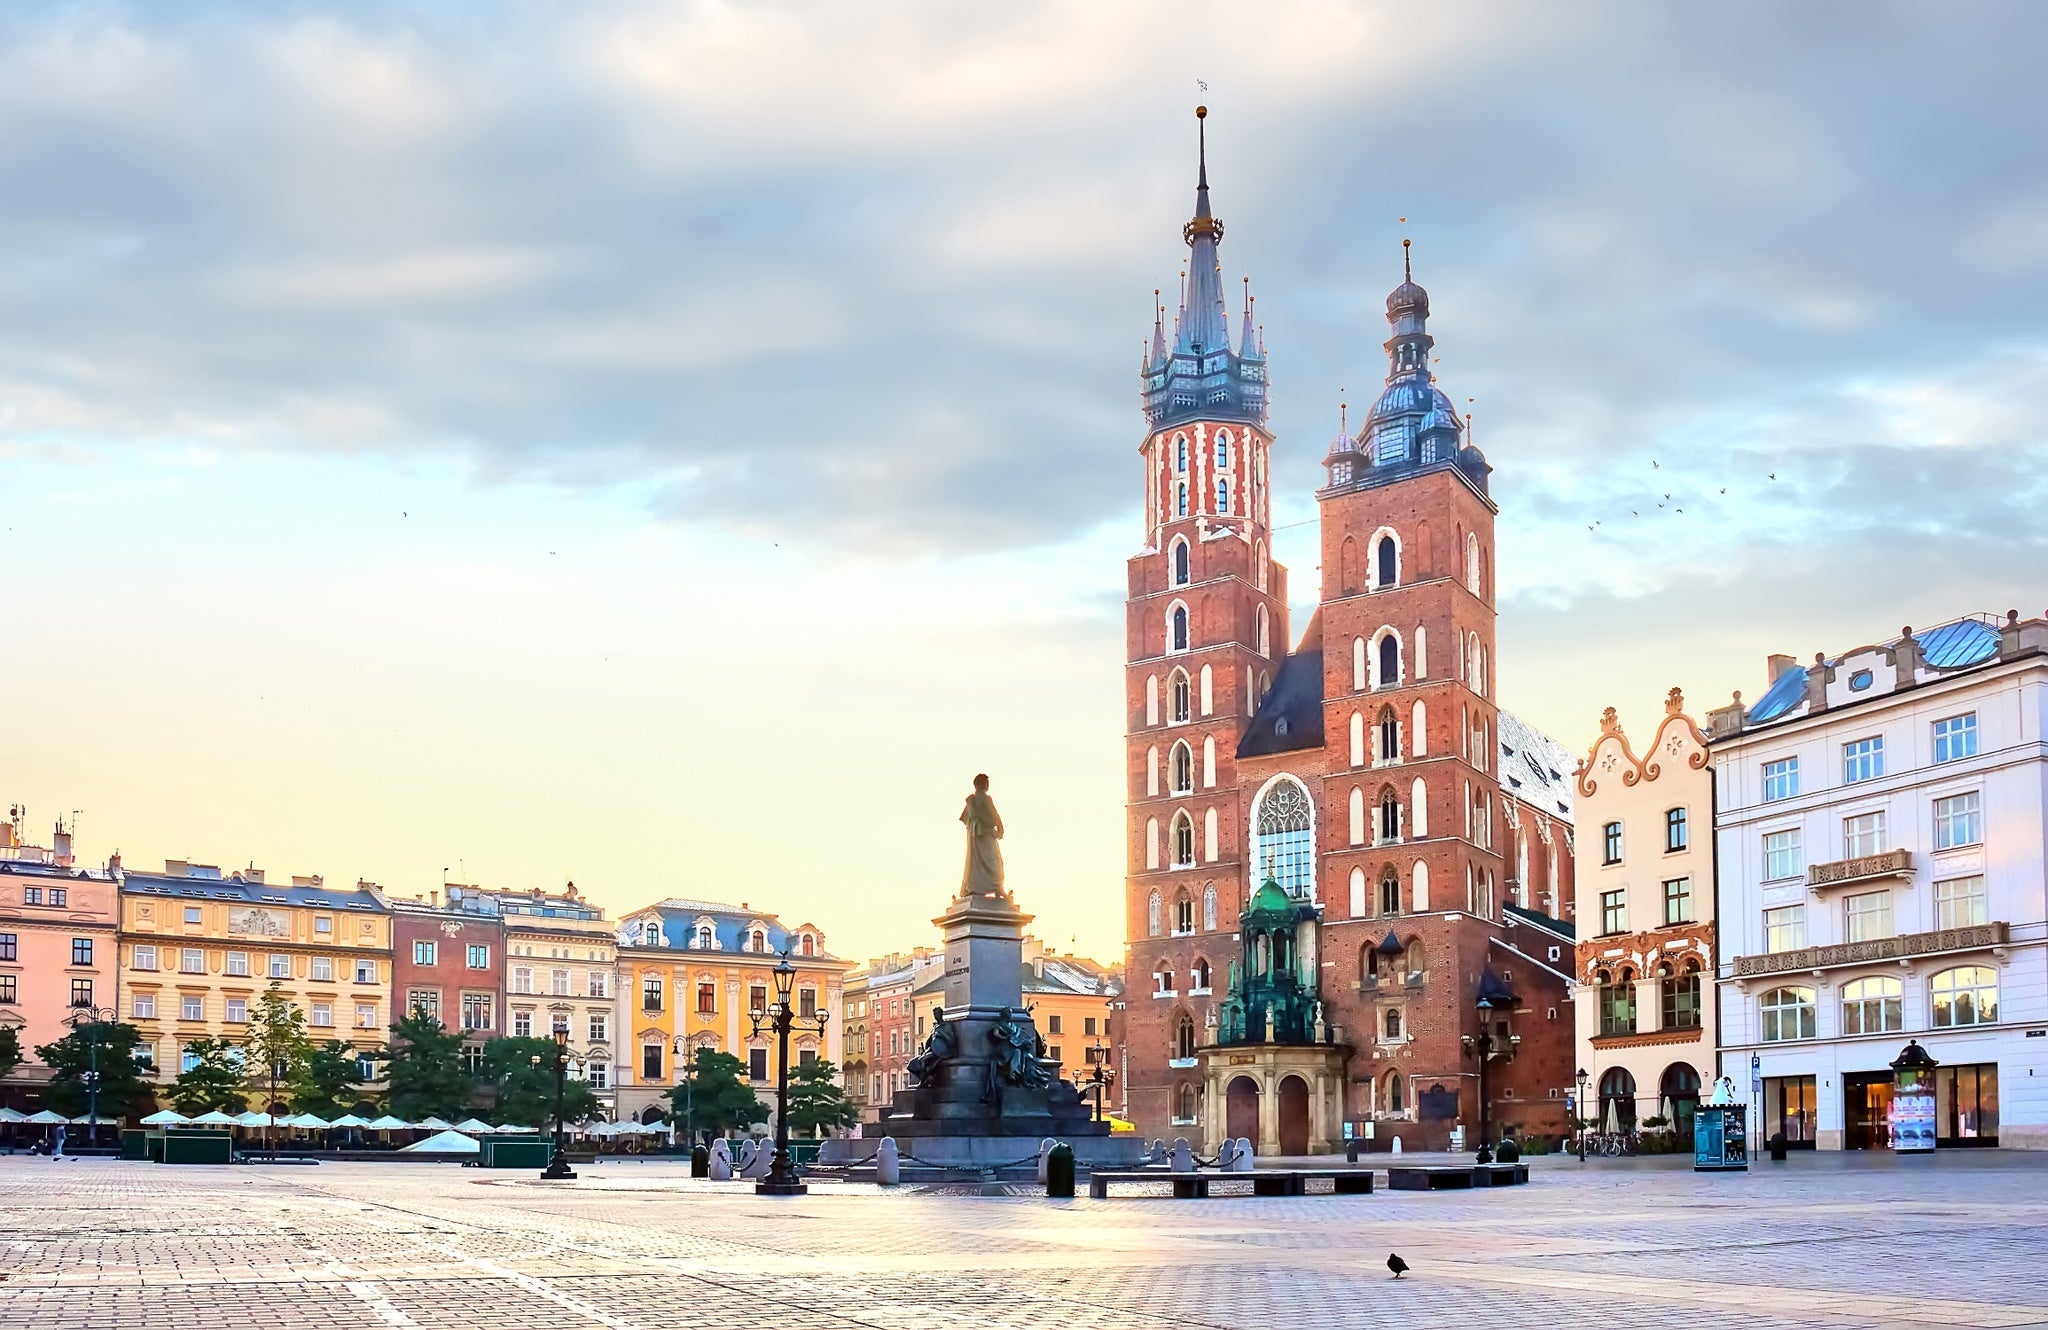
1291,717
1534,767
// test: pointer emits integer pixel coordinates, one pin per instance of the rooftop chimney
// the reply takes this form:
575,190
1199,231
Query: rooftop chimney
60,846
1778,664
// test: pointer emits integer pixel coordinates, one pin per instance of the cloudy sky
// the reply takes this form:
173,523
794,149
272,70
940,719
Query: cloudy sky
675,446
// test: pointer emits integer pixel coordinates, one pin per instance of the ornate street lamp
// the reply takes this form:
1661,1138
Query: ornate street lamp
1579,1115
558,1162
783,1179
688,1070
1100,1075
90,1018
1488,1046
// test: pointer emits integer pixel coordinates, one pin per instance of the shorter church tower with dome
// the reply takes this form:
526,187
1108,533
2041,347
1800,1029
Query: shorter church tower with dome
1344,808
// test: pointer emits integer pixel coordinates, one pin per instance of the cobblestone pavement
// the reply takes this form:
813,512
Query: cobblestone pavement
1837,1241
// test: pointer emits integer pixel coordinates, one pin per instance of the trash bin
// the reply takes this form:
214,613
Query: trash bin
1059,1171
1777,1147
700,1161
1350,1149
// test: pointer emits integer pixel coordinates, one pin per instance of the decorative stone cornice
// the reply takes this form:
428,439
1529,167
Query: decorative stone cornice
1903,947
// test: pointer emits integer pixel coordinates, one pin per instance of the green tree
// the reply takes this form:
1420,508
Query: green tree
815,1099
331,1083
10,1049
277,1049
715,1096
215,1080
122,1089
424,1070
523,1090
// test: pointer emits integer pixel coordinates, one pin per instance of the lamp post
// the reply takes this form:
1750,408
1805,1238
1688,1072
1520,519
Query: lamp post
90,1018
1487,1046
1579,1115
558,1162
782,1179
689,1083
1100,1074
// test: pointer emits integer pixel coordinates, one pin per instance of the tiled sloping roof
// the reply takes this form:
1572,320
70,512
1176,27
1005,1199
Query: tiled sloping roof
1535,768
1291,717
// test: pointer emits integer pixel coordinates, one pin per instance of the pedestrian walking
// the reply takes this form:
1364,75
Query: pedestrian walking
57,1142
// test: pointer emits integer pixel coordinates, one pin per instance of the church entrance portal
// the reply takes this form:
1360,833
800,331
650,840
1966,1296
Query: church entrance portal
1294,1116
1241,1116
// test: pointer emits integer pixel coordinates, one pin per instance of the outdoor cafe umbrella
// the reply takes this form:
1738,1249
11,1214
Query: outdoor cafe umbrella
434,1124
215,1118
1664,1110
1613,1124
311,1121
348,1120
388,1123
12,1115
45,1118
166,1117
512,1128
475,1125
254,1119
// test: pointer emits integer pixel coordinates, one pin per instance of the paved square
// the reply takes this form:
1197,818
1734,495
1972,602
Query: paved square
1956,1240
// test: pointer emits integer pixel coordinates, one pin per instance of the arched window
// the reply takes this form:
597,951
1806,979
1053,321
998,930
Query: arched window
1678,991
1358,910
1787,1014
1200,976
1209,907
1152,771
1152,861
1209,835
1390,893
1151,699
1184,1102
1418,809
1967,995
1182,574
1358,683
1873,1006
1222,495
1177,687
704,936
807,948
1152,915
1259,556
1418,728
760,941
1183,913
1387,563
1209,761
1265,684
1347,566
1413,962
1208,690
1222,450
1389,733
1357,816
1418,891
1177,628
1390,816
1357,739
1618,1099
1180,499
1183,840
1389,661
1162,982
1395,1099
1472,563
1392,1023
1184,1037
1180,455
1368,961
1180,769
1283,836
1618,1002
1262,632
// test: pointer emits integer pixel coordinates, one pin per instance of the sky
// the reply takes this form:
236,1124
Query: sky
673,447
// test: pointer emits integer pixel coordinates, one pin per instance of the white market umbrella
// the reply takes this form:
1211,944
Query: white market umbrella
348,1120
513,1128
215,1118
166,1117
598,1129
311,1121
12,1115
477,1125
1613,1124
255,1119
388,1123
442,1143
45,1118
434,1124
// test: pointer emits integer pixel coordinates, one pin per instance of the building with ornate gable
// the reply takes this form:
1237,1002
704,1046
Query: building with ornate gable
1367,771
1647,1032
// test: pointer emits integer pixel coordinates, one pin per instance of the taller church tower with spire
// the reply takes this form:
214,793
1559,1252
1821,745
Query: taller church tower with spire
1361,780
1205,623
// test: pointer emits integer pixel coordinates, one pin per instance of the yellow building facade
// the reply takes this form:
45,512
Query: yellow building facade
199,949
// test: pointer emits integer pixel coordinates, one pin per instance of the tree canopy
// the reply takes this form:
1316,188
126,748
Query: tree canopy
424,1070
523,1091
717,1095
815,1099
277,1046
331,1082
122,1089
215,1080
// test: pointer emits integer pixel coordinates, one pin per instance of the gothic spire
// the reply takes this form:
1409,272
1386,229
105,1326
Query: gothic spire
1204,323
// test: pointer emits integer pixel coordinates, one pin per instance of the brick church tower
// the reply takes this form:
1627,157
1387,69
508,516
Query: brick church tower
1205,623
1420,834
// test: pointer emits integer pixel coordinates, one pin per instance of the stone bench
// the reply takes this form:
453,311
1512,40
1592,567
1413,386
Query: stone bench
1499,1175
1265,1181
1428,1179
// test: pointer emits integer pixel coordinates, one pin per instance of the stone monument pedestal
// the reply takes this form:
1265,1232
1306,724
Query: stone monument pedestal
968,1111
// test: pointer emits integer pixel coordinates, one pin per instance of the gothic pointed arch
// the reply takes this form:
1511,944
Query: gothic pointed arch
1282,836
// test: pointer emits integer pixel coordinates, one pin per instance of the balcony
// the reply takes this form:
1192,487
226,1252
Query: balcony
1906,946
1868,868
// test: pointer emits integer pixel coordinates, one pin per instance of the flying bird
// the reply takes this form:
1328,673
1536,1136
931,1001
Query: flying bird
1724,489
1774,475
1397,1265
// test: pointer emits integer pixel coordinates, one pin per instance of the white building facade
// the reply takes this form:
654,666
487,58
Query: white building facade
1882,842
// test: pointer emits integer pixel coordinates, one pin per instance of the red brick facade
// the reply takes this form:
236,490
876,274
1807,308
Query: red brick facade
1417,835
445,977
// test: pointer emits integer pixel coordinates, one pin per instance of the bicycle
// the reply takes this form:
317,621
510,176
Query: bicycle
1616,1144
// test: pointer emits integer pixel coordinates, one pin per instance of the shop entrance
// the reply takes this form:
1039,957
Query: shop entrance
1866,1110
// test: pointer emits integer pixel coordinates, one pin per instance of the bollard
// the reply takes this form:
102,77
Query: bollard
1059,1171
888,1163
1183,1158
1243,1161
1509,1152
1045,1149
1777,1147
1397,1145
721,1161
700,1161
